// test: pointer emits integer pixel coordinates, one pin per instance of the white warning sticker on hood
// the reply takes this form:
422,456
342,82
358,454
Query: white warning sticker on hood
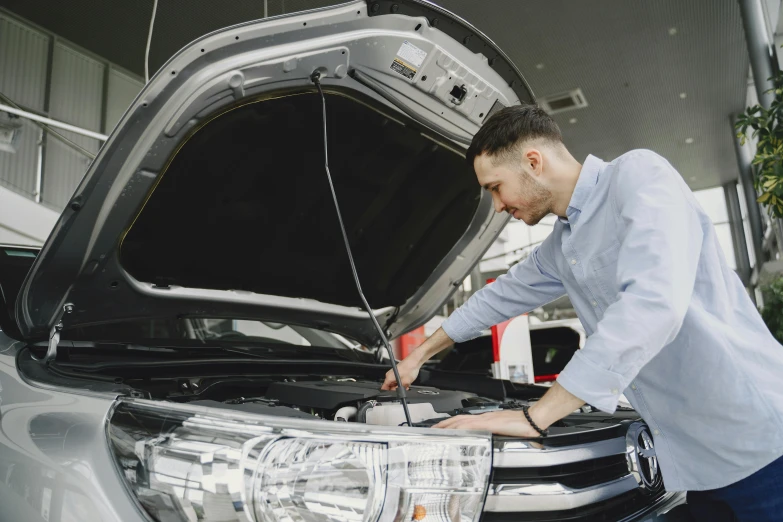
409,58
411,54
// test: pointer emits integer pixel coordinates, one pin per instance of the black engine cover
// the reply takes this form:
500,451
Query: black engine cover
330,395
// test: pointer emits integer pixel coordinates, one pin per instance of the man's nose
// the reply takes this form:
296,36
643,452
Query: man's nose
499,205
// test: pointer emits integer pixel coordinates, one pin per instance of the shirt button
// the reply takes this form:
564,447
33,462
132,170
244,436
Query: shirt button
656,432
633,386
573,261
615,391
594,303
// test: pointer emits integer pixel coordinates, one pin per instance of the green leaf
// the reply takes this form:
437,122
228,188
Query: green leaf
763,198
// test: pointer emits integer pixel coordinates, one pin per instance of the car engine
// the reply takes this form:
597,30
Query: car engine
350,400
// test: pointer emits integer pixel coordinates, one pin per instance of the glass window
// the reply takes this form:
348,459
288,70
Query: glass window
277,331
206,329
746,225
267,331
713,201
723,231
749,243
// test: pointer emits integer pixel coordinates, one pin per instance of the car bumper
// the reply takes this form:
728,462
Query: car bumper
670,508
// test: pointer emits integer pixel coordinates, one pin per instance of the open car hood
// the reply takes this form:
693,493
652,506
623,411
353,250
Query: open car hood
210,197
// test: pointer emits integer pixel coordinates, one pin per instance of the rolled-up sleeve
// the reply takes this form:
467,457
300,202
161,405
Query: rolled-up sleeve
660,244
527,285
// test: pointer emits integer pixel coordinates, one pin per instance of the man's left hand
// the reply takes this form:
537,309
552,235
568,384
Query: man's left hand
508,422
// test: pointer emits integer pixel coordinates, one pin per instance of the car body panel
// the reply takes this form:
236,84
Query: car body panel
54,460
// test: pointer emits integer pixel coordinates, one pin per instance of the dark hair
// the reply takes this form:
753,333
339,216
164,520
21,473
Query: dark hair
508,127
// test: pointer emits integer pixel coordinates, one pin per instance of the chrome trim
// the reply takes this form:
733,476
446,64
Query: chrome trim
524,454
642,459
509,498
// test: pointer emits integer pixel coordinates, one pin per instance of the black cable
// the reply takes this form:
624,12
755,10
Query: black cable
316,79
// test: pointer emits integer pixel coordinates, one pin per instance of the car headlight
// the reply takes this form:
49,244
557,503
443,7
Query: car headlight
189,463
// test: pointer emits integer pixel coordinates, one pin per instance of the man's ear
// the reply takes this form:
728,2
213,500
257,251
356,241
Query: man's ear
534,161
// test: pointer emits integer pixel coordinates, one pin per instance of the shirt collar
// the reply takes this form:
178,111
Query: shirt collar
588,177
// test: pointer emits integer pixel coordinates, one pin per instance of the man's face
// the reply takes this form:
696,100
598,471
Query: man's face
515,188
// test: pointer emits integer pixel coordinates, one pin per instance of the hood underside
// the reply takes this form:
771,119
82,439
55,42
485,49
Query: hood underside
245,205
210,198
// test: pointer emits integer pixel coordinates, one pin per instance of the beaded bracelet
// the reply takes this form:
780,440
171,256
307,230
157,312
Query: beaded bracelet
533,424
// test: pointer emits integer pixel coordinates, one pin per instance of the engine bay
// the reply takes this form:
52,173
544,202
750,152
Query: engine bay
351,400
333,390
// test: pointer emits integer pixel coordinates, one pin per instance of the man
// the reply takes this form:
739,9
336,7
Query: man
668,322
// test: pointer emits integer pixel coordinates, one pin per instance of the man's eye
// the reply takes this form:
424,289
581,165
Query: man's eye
494,189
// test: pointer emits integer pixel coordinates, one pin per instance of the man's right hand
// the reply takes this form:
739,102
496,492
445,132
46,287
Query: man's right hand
408,369
410,366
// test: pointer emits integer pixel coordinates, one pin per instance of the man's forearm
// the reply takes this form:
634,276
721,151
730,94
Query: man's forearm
437,342
553,406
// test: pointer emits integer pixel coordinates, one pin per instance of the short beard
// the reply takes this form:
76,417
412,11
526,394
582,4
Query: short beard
540,197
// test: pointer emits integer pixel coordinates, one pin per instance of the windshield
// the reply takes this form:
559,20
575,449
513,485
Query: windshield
206,330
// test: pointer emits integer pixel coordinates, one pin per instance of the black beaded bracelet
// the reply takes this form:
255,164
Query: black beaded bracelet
533,424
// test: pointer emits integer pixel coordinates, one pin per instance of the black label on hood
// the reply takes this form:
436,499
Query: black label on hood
403,68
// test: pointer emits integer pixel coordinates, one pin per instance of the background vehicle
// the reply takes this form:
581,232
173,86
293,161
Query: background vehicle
552,344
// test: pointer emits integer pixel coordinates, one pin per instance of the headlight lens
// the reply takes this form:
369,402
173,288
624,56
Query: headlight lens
198,464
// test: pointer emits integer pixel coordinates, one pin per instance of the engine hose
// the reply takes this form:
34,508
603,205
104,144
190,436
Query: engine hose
361,415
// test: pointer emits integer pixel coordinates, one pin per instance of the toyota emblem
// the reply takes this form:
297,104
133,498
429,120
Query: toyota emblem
642,460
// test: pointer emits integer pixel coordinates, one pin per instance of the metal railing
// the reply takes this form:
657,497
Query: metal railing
49,125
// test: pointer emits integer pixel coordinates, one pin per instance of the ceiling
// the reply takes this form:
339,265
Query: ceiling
632,60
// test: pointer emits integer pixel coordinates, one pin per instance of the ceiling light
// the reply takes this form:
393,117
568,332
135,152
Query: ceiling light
572,120
539,66
563,101
672,31
683,95
689,141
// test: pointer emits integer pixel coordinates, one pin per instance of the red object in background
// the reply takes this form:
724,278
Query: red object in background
546,378
411,340
497,334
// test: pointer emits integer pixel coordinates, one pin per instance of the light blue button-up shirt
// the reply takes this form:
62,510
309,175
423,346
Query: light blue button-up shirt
668,322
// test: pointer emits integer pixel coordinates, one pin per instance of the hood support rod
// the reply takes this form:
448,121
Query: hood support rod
316,79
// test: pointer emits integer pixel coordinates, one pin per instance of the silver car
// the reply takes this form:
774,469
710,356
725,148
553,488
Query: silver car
190,345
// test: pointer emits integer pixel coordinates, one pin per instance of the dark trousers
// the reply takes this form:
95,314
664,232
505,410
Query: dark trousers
758,498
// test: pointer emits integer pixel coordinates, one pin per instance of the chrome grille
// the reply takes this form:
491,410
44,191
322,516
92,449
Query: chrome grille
534,480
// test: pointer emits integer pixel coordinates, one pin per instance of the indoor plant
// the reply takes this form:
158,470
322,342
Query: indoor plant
767,126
